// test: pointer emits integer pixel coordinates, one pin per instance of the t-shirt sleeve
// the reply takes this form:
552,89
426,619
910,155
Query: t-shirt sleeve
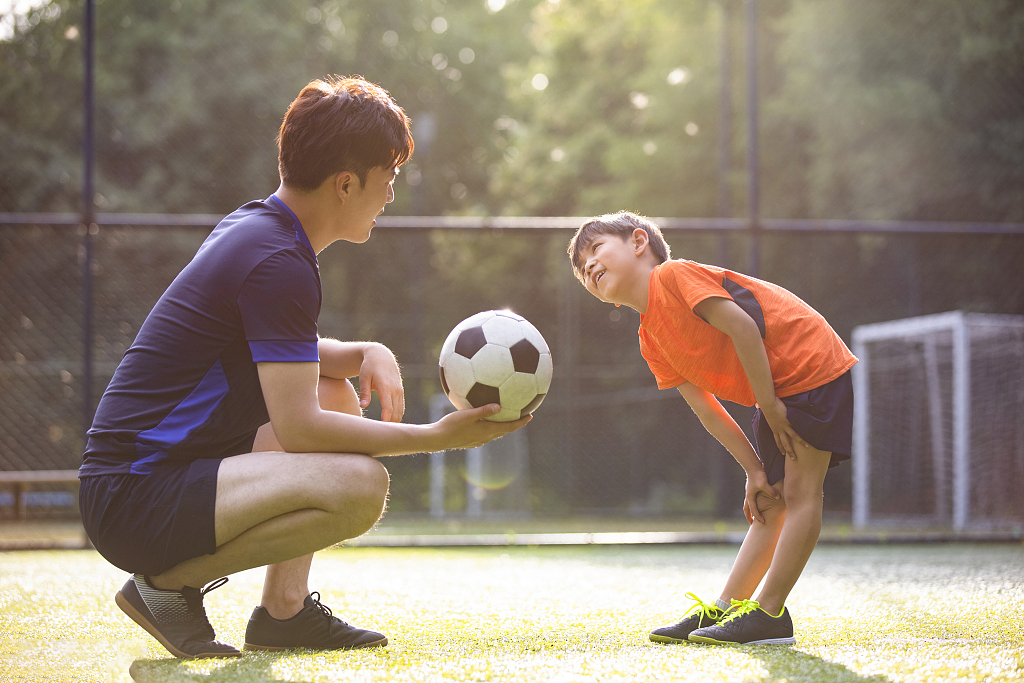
692,283
279,303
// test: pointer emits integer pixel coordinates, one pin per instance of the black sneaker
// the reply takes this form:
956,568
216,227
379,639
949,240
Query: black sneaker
702,615
748,624
314,628
176,618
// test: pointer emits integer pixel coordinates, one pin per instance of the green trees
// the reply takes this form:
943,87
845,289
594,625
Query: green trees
899,110
190,94
875,109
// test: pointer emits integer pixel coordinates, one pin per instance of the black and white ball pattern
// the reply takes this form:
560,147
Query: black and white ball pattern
496,357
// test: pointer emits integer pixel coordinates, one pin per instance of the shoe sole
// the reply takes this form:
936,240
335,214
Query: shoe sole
137,617
273,648
704,640
667,640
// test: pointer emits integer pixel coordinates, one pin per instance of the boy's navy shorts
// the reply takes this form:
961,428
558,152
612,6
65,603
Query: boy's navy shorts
822,416
148,523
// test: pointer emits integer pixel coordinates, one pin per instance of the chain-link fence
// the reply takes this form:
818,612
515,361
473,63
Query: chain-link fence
906,111
605,440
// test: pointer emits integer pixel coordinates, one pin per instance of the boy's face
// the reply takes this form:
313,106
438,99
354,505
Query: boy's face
609,264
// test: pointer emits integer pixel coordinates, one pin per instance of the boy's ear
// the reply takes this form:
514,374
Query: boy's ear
640,240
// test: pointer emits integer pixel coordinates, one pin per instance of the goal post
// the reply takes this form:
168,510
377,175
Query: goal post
939,421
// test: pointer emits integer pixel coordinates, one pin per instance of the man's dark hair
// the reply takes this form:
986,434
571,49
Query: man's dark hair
341,124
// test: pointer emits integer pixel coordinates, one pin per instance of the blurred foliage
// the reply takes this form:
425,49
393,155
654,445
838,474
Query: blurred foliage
878,109
897,110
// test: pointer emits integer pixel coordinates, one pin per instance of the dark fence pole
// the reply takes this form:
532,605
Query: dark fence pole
724,128
724,492
753,199
89,227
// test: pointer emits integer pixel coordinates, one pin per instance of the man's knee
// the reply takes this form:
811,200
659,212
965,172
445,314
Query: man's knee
366,483
338,395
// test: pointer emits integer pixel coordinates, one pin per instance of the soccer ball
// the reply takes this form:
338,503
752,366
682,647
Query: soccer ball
496,357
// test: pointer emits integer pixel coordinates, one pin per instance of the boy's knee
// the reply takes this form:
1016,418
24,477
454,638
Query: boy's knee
338,395
768,505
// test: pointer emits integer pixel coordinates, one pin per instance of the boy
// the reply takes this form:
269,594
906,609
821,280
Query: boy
230,436
715,334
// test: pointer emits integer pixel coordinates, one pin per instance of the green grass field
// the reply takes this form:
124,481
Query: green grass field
862,613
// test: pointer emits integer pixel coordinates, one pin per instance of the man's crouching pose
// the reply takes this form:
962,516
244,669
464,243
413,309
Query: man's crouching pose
230,436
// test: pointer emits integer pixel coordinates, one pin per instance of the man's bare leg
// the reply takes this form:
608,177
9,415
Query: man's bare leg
276,509
286,584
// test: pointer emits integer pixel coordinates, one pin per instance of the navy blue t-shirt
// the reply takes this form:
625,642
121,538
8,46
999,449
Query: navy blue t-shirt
188,386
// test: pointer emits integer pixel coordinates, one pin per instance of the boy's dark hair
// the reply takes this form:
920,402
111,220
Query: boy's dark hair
341,124
621,224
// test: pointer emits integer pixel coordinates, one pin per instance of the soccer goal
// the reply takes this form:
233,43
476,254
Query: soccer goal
939,421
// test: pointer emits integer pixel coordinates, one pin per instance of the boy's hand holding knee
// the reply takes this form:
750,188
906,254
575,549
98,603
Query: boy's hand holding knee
785,436
757,481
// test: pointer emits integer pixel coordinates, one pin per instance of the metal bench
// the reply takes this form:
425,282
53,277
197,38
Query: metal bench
20,481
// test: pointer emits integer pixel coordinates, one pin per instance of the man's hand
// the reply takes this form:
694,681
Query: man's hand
785,435
379,372
757,481
468,428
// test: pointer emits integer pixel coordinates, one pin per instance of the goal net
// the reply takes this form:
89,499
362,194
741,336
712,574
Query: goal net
939,421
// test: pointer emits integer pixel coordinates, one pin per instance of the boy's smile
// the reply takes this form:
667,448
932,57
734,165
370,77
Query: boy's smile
608,256
617,269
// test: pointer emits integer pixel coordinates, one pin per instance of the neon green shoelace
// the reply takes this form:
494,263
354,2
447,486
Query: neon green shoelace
739,608
714,612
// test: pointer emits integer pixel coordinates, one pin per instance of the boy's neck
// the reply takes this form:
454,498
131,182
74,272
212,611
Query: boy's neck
639,297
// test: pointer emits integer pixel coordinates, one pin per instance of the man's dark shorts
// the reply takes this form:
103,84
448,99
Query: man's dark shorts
822,416
148,523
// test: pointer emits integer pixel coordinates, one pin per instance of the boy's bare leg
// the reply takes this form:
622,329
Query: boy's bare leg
755,555
276,508
802,489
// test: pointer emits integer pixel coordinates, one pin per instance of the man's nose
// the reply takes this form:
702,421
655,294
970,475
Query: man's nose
391,194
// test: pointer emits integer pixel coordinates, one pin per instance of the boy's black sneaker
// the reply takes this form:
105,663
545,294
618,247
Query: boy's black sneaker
313,628
699,615
175,618
748,624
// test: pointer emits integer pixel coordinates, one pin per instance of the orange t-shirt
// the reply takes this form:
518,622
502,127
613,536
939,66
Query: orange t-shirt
804,352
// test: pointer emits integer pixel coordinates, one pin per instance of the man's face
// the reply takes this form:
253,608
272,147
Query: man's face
368,201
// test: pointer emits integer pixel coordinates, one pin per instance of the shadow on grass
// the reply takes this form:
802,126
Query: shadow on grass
787,664
245,669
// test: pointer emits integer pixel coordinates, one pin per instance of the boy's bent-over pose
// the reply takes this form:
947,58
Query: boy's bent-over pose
230,436
715,334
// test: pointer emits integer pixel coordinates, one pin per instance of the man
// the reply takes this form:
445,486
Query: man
230,436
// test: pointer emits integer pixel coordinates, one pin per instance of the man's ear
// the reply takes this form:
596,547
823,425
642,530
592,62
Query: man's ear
343,185
640,240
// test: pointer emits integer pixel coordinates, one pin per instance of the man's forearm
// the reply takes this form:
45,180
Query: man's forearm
341,359
331,432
